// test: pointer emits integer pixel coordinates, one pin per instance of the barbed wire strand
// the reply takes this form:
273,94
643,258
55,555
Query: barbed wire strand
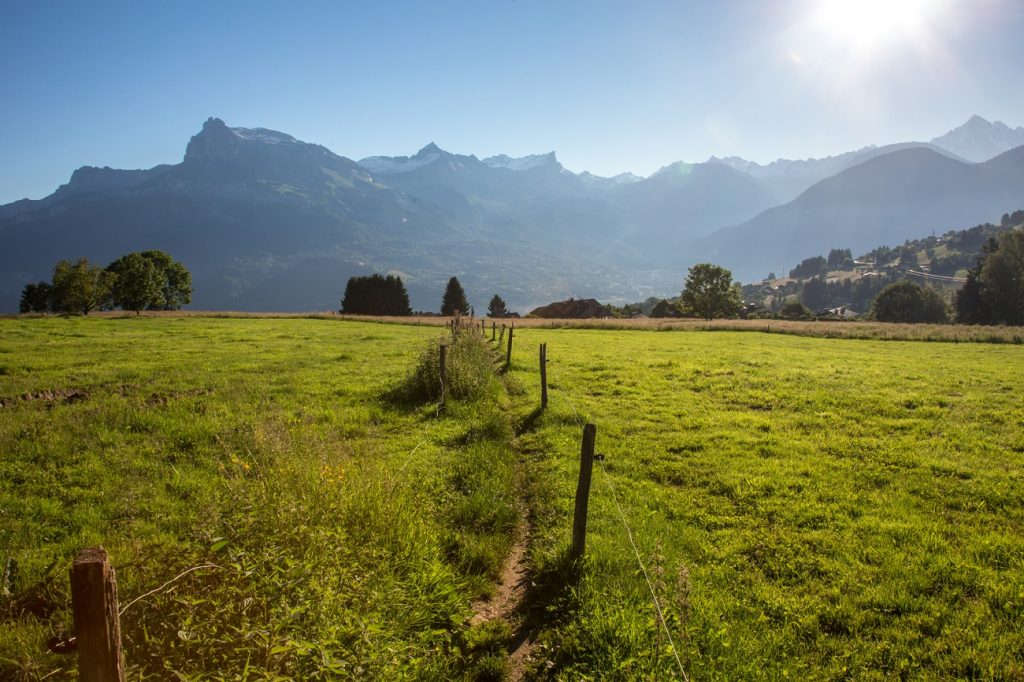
636,552
166,585
408,458
629,533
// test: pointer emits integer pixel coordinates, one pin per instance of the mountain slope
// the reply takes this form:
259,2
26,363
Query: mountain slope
265,221
903,194
683,201
242,209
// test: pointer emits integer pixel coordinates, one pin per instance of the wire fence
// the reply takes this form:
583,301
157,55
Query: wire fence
607,480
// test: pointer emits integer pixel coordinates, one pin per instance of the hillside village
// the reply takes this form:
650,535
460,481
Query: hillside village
840,286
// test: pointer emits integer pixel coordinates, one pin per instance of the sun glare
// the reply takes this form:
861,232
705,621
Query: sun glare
867,24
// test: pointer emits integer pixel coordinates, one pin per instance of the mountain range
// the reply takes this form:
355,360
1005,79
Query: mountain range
268,222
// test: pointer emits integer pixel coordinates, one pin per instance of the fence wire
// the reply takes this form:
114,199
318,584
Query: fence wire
606,478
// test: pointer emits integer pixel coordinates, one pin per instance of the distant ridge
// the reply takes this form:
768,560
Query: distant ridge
268,222
885,200
980,140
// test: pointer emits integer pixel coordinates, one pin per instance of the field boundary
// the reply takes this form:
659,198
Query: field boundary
828,329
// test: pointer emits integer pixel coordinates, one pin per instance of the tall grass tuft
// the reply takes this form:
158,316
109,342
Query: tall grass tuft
469,369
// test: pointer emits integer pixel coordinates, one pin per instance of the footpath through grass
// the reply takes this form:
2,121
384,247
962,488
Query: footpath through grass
341,531
806,508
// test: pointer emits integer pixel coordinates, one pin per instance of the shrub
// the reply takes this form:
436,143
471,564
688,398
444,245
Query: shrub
795,310
905,301
469,369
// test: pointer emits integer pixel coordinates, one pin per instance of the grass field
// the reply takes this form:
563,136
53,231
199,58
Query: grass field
349,532
805,508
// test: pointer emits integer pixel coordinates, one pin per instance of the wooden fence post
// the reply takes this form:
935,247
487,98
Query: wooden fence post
494,330
579,519
543,376
97,621
508,354
443,369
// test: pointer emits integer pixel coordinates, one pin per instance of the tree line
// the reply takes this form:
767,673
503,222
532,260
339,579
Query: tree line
387,295
146,280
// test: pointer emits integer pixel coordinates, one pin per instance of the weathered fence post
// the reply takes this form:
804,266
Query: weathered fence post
494,329
97,621
508,354
543,376
442,356
579,519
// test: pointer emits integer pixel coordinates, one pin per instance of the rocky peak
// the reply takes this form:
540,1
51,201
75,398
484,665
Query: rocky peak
214,140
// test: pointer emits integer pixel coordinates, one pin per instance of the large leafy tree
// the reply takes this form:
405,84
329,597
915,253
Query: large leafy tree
905,301
80,287
176,285
497,307
454,301
375,295
710,292
150,280
36,298
139,284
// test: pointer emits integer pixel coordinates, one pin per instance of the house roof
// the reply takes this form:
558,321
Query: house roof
573,309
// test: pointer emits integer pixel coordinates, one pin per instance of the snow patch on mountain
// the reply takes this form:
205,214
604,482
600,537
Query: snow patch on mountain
264,135
521,163
592,180
393,165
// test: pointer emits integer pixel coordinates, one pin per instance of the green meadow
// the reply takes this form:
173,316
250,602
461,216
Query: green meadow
803,508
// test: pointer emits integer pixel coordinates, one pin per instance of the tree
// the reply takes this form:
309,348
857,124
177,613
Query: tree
376,295
840,259
139,284
904,301
150,280
994,291
710,292
35,298
81,288
810,267
665,308
496,308
176,286
970,304
454,300
815,294
795,310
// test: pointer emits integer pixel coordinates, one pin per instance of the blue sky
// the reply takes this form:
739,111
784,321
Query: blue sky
609,86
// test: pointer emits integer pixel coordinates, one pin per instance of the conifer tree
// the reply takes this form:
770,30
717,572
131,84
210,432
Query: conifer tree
376,295
454,301
497,308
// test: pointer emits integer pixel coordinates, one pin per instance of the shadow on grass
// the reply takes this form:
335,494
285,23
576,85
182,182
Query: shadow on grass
529,422
547,599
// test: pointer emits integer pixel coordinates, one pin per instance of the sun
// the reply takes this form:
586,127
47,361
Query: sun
872,24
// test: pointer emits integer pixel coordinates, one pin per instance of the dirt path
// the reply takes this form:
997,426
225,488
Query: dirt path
508,602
